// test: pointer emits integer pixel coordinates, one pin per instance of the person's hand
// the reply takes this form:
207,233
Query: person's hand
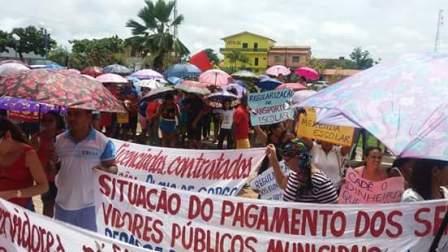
271,152
6,195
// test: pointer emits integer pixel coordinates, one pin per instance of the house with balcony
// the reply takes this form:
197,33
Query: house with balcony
246,50
290,56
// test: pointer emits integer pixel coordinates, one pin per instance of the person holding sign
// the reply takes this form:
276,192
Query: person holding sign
429,179
372,170
305,183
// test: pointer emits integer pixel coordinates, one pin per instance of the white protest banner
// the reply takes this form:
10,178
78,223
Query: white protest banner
23,230
220,172
167,219
357,190
270,107
266,185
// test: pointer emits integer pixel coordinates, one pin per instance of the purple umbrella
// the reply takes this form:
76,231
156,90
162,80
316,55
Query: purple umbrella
24,105
401,102
147,74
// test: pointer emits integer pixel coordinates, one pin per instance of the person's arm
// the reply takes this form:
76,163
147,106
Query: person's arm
40,178
279,176
108,163
261,134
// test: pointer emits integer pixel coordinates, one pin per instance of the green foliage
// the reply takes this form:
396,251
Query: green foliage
6,40
362,59
236,56
96,52
154,34
59,55
212,56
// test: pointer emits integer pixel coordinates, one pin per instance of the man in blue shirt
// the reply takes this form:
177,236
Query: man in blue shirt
80,150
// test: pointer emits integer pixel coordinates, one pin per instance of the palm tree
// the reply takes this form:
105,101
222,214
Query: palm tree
236,56
154,35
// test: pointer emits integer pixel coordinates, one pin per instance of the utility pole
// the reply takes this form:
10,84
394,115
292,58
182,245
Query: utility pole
439,23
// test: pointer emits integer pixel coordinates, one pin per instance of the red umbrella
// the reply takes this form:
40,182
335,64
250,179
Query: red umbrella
308,73
293,86
60,89
93,71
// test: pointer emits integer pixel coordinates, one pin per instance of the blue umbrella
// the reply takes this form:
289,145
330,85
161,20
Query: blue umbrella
174,80
268,83
53,66
117,69
183,71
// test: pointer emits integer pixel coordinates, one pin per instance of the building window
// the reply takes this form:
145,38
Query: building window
255,46
295,59
278,59
244,45
256,62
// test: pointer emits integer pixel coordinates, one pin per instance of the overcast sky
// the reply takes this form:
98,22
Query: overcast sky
331,27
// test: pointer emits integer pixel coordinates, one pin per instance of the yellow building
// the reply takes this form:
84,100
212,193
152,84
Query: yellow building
246,50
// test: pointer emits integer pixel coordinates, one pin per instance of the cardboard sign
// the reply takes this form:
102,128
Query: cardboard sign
357,190
308,128
122,118
270,107
167,219
22,231
220,172
266,185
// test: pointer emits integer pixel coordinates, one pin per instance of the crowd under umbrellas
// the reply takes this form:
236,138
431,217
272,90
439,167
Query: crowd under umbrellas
177,108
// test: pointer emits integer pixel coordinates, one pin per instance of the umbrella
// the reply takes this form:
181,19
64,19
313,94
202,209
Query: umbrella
146,74
174,80
24,105
183,71
401,102
222,96
117,69
240,90
301,96
88,77
308,73
268,83
278,70
293,86
55,88
93,71
11,68
244,74
53,66
152,84
158,93
14,61
215,77
195,84
70,71
111,78
185,87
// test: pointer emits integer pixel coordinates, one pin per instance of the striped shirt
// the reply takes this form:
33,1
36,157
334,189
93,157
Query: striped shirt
322,189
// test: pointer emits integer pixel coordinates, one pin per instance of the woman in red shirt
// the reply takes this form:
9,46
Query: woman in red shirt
52,124
21,173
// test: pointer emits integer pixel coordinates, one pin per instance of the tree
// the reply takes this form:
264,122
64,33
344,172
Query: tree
31,39
96,52
236,56
6,40
212,56
59,55
361,58
154,33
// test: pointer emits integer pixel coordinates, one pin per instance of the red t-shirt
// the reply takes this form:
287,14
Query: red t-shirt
17,176
152,108
241,123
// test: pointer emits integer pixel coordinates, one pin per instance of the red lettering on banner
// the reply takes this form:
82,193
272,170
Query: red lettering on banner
393,223
425,223
439,214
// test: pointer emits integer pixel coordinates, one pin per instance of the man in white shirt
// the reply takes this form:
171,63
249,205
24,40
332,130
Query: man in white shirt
80,150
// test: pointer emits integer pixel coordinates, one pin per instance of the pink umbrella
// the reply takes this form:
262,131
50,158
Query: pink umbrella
278,70
147,74
70,71
293,86
111,78
11,68
308,73
215,77
195,83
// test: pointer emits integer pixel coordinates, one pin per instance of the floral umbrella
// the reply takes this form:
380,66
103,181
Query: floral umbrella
11,68
60,89
93,71
117,69
401,102
278,70
14,61
158,93
111,78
